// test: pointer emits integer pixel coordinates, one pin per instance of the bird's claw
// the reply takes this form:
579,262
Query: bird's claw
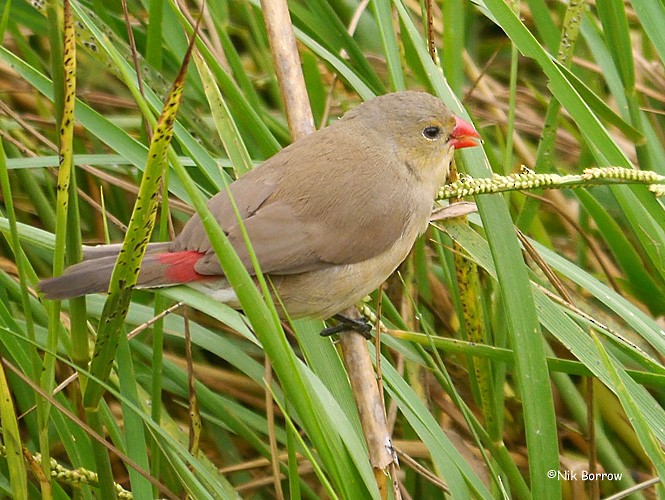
360,325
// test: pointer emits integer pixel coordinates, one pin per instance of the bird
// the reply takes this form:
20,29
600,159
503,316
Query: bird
329,217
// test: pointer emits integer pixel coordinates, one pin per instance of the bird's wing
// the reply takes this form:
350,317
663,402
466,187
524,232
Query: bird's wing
249,193
295,223
279,240
285,244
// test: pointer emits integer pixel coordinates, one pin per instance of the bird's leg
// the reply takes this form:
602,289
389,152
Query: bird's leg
360,325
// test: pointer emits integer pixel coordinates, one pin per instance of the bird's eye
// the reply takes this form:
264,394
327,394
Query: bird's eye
432,132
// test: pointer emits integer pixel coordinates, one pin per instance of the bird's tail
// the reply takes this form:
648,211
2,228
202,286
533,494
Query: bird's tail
159,268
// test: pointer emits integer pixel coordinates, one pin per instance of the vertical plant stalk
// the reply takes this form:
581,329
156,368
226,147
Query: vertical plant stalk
414,288
80,351
431,45
468,283
512,103
126,270
571,29
287,66
65,73
154,57
368,400
357,358
140,228
301,123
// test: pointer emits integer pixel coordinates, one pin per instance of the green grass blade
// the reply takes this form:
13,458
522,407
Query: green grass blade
226,127
634,412
125,272
652,19
135,439
12,441
615,25
521,317
384,21
450,465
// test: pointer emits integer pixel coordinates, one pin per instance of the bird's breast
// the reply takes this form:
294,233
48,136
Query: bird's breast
327,291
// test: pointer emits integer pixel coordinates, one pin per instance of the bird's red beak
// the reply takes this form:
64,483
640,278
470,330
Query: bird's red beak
464,135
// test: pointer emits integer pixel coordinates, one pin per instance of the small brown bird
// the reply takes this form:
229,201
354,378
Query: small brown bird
329,217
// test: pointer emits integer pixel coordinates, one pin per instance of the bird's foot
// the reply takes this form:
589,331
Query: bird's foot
360,325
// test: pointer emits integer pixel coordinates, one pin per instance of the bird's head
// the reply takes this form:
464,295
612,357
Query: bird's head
420,129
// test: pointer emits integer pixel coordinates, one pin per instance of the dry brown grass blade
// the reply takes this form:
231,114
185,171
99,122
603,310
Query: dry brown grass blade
422,471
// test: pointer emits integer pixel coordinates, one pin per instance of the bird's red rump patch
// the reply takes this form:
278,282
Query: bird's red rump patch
180,266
